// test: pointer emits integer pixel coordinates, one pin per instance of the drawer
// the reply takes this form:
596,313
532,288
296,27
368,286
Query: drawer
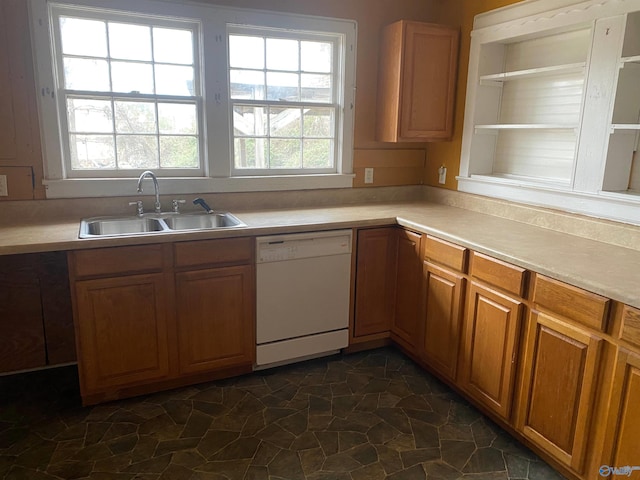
630,330
116,260
498,273
572,302
445,253
211,252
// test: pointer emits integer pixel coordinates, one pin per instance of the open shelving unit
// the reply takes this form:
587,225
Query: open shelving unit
552,115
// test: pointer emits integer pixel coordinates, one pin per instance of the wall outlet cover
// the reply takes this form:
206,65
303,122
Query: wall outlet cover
4,190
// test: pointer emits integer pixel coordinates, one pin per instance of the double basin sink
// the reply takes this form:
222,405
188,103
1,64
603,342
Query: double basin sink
156,223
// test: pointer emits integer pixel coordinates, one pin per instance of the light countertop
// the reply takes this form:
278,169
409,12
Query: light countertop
605,269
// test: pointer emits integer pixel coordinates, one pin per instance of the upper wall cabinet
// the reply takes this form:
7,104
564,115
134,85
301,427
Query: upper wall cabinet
416,83
552,114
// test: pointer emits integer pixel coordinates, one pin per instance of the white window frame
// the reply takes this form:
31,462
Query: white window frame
335,103
217,135
63,94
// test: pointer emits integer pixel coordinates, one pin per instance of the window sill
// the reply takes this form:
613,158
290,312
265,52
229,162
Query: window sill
126,187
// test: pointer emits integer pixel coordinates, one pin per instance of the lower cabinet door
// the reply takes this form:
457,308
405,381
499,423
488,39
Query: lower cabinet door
559,379
215,318
406,319
375,281
492,330
622,444
122,326
443,317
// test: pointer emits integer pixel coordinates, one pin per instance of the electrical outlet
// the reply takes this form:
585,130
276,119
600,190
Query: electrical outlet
442,175
368,175
4,191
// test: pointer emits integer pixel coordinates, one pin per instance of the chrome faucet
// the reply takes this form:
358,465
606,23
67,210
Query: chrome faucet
151,175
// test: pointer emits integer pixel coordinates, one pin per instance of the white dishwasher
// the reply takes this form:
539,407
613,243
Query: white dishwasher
303,288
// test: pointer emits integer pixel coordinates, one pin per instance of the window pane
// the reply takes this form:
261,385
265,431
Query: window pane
282,86
171,45
285,122
137,151
135,117
282,54
83,37
130,42
86,74
316,57
132,77
179,152
172,80
284,153
92,152
246,52
89,115
177,118
317,154
250,152
318,122
249,121
316,88
247,84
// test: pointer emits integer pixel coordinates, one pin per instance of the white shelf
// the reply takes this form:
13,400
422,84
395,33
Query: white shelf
625,126
633,59
532,73
526,126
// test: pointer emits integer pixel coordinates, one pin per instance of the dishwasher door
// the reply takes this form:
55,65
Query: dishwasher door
303,289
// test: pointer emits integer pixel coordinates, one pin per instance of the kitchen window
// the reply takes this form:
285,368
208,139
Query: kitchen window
210,98
283,89
131,93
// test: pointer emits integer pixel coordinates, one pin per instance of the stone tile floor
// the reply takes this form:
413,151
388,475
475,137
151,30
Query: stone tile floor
366,416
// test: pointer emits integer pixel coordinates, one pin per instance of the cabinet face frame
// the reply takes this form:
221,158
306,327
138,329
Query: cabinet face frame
587,379
593,185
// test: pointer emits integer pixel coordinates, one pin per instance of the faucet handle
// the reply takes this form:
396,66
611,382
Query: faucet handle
175,205
139,207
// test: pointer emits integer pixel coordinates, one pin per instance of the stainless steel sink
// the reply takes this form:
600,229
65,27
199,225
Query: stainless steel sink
203,221
155,223
103,227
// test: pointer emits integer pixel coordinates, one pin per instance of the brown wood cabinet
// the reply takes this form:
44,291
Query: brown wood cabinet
123,330
22,344
215,318
560,374
623,424
157,316
416,83
444,297
492,326
375,281
443,270
36,321
405,328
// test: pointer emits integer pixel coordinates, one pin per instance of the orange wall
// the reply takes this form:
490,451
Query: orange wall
448,153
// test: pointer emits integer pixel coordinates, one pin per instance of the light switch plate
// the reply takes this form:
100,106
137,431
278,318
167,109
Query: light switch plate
4,190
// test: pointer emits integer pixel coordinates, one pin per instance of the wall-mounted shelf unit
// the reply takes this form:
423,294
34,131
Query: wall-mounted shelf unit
552,115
